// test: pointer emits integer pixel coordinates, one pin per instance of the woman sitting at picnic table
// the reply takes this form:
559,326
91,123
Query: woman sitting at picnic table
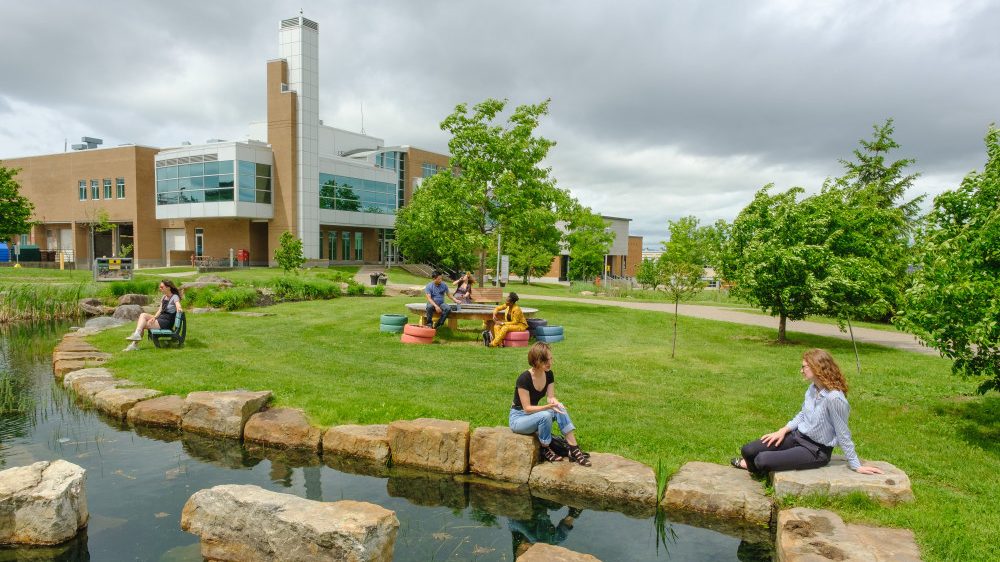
529,418
507,317
463,289
164,318
808,439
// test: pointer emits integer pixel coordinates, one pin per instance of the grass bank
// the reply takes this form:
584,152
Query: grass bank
729,384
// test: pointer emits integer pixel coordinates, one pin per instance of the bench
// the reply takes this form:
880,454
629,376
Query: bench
176,335
487,294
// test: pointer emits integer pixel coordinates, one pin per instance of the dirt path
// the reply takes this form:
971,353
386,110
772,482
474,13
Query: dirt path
896,340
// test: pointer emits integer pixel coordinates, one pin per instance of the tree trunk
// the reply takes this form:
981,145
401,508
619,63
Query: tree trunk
857,358
674,347
781,329
482,267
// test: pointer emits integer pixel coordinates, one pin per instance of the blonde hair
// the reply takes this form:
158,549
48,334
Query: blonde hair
825,370
538,353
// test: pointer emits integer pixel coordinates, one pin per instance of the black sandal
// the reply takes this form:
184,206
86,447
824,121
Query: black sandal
550,455
735,462
578,456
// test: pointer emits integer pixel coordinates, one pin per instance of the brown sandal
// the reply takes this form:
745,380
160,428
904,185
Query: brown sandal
550,455
578,456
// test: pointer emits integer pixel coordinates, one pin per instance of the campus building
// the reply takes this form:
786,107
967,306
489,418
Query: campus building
621,260
337,190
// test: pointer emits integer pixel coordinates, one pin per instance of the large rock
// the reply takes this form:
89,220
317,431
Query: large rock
118,401
837,479
132,298
370,442
282,427
104,322
439,445
43,503
87,389
501,454
71,342
62,366
412,291
206,281
541,552
92,374
129,312
222,413
248,523
718,490
612,482
165,411
80,355
94,307
807,535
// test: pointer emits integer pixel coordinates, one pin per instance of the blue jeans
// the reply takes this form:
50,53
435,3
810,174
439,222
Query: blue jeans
540,423
445,309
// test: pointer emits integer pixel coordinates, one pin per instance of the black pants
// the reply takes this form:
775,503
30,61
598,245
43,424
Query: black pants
795,452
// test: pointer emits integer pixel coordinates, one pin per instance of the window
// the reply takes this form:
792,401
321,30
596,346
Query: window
83,190
107,188
343,193
25,239
95,189
359,254
427,169
345,254
192,183
120,182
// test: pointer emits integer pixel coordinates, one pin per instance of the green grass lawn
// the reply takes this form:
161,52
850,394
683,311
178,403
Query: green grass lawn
39,275
728,384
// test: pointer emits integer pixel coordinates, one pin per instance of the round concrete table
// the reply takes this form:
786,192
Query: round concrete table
482,312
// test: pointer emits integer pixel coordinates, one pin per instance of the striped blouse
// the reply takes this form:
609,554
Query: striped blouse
823,419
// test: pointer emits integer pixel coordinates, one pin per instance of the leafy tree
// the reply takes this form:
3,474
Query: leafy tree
646,274
15,209
712,238
502,186
681,265
532,248
776,257
953,304
589,241
289,254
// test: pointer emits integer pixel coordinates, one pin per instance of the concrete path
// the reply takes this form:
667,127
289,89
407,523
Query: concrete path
893,339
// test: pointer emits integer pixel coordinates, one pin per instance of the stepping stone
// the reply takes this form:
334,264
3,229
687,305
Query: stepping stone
42,503
541,552
164,411
837,479
95,373
369,442
439,445
118,401
500,454
718,490
93,355
286,428
69,344
806,535
62,366
222,413
238,523
613,482
88,389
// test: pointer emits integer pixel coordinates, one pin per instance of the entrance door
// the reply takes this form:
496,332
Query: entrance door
174,241
199,242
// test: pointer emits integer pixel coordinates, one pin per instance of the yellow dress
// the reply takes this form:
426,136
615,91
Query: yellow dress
513,322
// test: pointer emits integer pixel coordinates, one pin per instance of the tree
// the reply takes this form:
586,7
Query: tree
775,255
15,209
502,186
532,249
589,241
953,304
289,254
681,265
646,274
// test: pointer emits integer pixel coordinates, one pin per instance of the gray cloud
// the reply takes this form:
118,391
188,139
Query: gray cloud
660,109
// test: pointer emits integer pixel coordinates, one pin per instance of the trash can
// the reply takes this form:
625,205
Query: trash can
374,278
383,279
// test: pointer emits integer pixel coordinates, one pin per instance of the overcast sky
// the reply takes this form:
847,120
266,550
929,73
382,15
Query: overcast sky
660,109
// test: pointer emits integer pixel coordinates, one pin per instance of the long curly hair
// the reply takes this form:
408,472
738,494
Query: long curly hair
825,370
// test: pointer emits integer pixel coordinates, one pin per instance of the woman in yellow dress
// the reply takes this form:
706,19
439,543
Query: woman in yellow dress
506,318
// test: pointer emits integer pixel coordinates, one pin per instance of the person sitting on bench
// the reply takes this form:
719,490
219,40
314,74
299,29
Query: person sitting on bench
463,289
808,439
435,292
507,317
170,305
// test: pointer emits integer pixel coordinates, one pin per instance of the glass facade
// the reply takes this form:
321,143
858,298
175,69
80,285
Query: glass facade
83,190
359,238
201,182
427,169
95,189
120,184
107,188
342,193
254,182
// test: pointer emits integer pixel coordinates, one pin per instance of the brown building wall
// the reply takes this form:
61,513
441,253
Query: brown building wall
634,255
219,235
51,183
281,123
415,160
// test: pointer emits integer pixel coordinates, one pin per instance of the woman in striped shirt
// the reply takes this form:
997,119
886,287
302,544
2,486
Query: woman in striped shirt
808,439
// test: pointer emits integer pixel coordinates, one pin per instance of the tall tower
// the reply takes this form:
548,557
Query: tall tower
299,46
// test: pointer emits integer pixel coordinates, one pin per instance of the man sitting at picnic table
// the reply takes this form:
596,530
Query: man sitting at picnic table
434,292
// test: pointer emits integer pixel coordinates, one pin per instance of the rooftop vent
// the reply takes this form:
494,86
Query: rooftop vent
213,141
87,143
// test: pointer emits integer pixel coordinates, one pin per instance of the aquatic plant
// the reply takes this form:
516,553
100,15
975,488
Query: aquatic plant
28,301
14,397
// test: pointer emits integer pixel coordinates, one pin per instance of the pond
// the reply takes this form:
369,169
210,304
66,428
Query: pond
138,481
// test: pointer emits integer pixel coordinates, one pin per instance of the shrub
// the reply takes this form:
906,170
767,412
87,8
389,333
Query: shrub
135,286
378,290
336,275
355,289
199,297
234,298
288,289
320,289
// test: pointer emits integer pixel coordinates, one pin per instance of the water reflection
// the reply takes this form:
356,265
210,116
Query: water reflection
138,479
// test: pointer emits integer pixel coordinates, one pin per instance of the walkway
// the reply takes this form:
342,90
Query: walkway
887,338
